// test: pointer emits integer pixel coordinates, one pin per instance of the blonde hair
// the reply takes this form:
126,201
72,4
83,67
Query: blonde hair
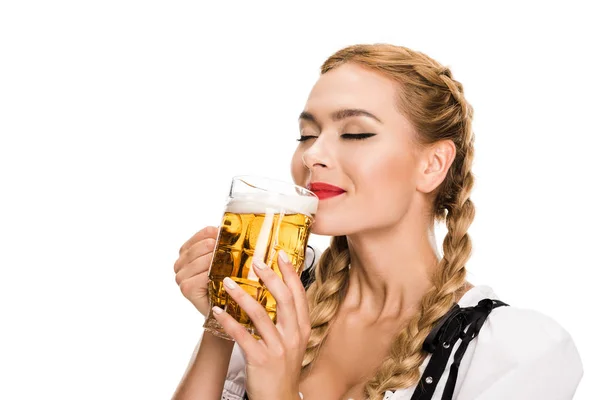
435,105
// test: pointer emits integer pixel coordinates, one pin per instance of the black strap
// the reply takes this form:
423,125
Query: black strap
308,274
441,341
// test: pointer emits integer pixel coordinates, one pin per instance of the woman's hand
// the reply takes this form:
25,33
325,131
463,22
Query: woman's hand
273,364
191,268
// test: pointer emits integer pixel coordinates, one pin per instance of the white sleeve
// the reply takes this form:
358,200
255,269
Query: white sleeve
522,355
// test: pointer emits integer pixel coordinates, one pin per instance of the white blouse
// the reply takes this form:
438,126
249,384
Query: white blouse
519,354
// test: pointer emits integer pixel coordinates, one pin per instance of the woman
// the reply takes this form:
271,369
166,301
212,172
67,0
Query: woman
390,130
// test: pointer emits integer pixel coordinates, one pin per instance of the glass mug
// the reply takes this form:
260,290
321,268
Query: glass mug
262,216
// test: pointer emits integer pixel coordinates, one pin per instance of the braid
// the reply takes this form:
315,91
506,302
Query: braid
434,103
326,293
401,368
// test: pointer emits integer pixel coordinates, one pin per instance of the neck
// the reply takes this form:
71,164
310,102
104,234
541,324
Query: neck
392,269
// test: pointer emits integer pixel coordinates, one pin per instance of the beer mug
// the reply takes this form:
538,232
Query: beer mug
262,216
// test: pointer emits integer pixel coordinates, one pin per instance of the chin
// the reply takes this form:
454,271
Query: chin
328,228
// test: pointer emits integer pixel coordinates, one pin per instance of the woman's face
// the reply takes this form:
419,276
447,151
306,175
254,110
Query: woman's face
375,171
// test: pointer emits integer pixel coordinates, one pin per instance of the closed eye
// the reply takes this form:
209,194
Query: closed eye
304,138
357,136
349,136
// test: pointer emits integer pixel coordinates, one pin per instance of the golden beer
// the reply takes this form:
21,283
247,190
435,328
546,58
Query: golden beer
256,226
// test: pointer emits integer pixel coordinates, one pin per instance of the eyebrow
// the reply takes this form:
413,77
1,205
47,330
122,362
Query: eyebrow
340,115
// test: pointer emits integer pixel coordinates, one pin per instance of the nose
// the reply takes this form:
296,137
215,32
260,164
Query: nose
315,156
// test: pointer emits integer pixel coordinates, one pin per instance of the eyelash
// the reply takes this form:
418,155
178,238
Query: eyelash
358,136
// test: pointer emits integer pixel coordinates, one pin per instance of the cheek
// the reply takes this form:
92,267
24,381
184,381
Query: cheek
387,171
399,172
387,182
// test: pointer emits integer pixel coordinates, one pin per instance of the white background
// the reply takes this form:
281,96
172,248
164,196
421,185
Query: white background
114,116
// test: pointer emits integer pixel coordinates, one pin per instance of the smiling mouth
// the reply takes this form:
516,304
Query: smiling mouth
327,194
325,190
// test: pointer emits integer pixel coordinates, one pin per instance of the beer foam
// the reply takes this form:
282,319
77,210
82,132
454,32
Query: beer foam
255,203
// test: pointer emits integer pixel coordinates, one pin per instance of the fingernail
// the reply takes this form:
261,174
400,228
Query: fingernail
259,264
283,257
229,283
217,310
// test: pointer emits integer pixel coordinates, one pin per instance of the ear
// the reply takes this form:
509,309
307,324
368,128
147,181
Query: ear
434,163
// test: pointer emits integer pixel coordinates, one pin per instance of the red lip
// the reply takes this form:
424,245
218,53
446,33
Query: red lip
324,190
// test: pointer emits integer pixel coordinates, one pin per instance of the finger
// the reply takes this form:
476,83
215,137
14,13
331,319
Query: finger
255,311
204,233
197,266
195,289
198,249
252,348
286,310
294,284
